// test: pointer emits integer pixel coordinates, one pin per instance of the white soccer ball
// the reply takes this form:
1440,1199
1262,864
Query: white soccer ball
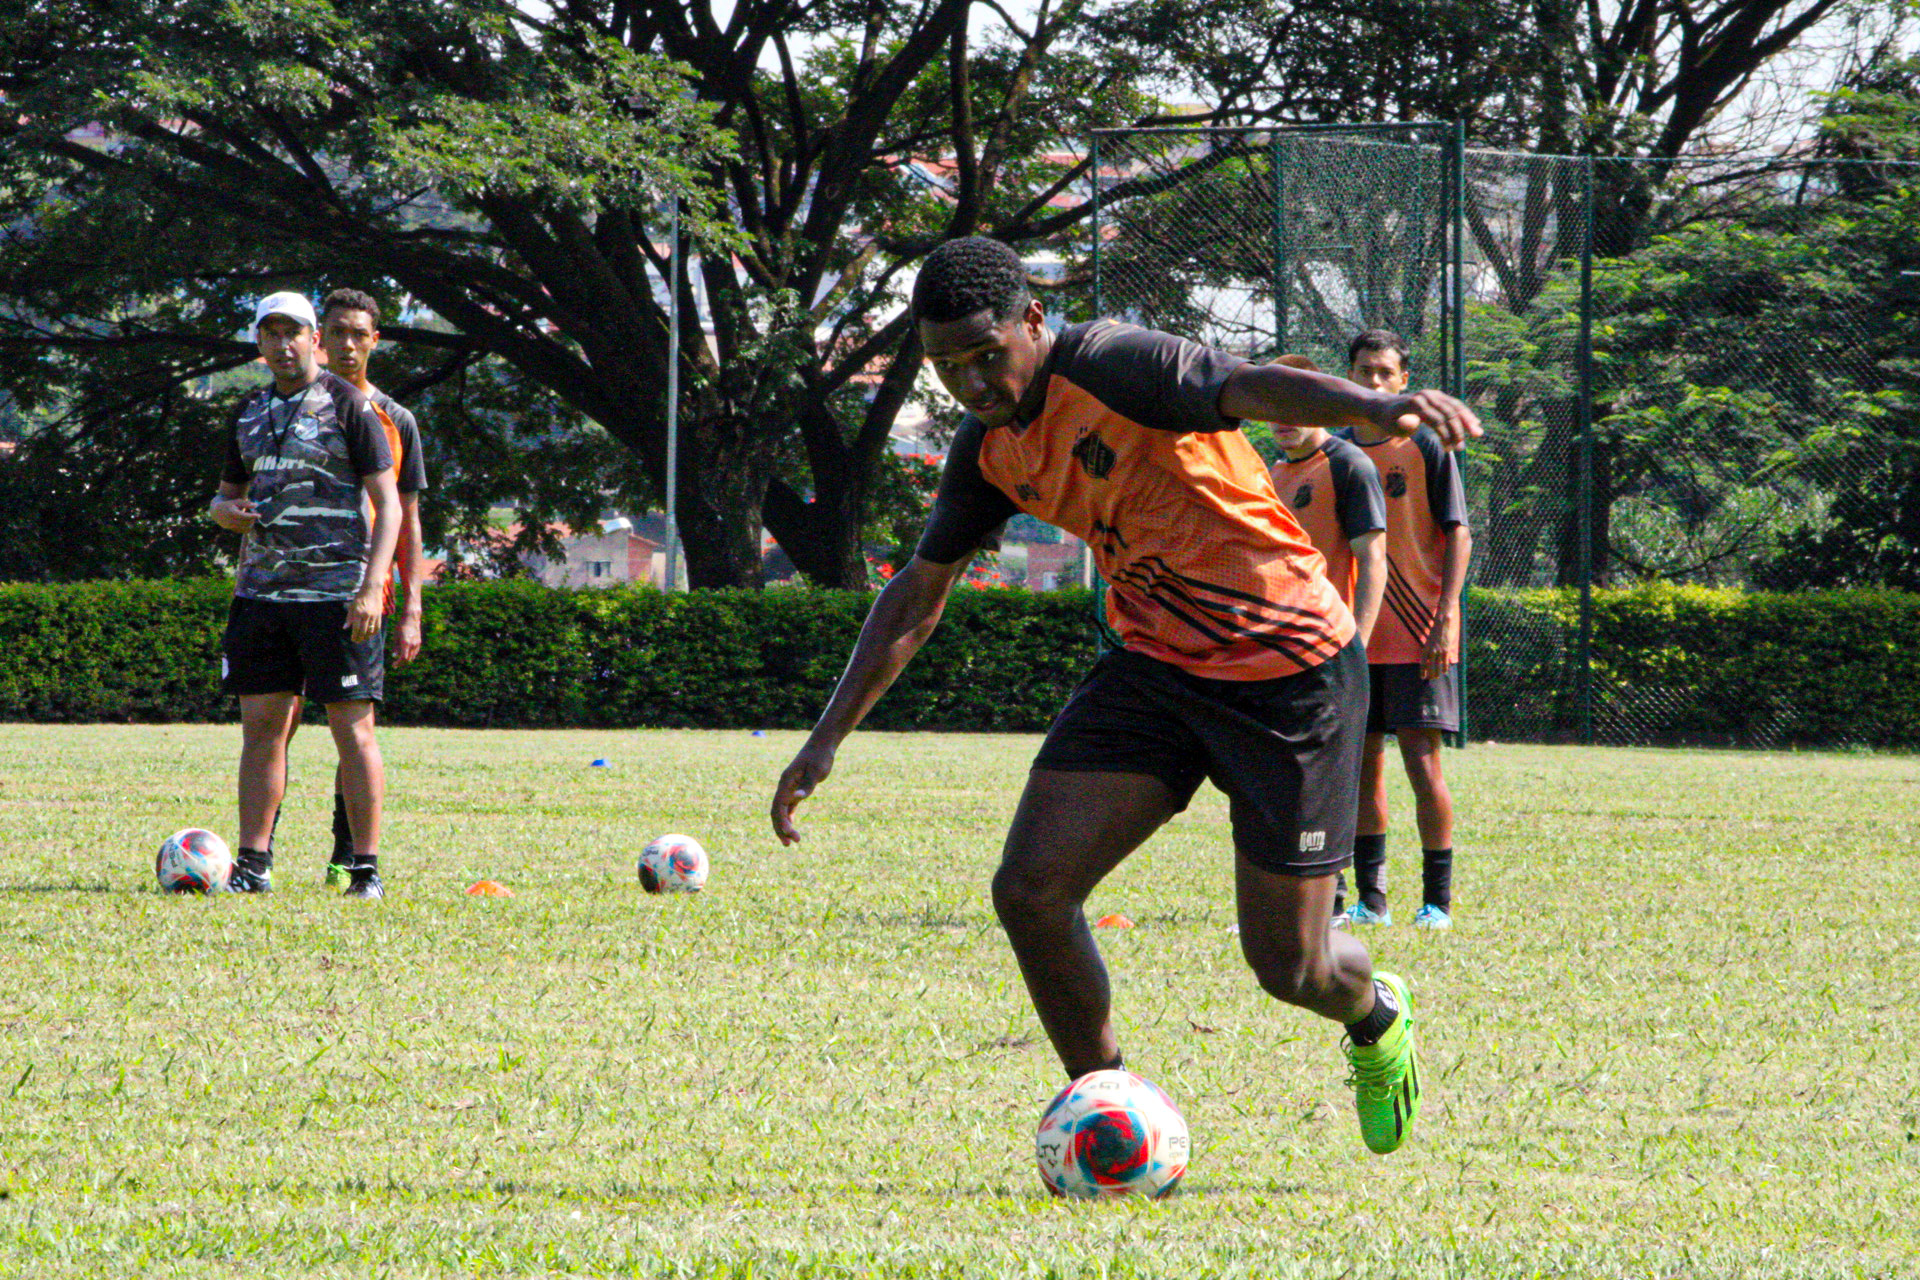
193,861
673,864
1112,1133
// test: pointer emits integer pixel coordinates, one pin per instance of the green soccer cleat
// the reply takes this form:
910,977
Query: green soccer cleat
339,875
1386,1076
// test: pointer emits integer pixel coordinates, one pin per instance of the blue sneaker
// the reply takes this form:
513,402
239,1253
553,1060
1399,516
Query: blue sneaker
1361,913
1432,917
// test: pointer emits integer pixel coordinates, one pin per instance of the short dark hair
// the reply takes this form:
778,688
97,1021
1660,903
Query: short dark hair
351,300
970,275
1379,340
1297,362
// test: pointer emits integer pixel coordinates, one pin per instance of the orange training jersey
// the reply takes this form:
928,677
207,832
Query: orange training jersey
1421,481
1207,571
1334,493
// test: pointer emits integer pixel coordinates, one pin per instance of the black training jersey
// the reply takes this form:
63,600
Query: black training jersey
302,458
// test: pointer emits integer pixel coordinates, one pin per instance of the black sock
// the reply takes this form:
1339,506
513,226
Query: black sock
1339,892
1370,870
1370,1028
1114,1063
342,832
273,830
254,860
1436,874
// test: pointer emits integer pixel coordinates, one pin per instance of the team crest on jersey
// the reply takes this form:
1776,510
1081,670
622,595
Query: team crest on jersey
1303,497
1096,455
1395,483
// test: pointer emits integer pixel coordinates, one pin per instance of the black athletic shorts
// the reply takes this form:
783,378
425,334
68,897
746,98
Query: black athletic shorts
303,647
1402,700
1286,752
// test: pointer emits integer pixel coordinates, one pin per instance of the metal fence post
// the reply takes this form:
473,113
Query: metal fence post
1456,374
1280,281
1585,521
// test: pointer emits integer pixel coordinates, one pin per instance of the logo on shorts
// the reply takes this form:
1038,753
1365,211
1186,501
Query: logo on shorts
349,680
1313,842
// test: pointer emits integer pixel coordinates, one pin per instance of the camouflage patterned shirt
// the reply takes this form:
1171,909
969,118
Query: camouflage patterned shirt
302,458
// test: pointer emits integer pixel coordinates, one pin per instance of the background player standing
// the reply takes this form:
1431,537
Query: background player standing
1239,660
1334,492
1415,648
304,457
349,332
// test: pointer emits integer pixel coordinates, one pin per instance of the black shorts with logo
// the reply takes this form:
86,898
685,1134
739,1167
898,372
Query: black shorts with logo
1402,700
300,646
1286,752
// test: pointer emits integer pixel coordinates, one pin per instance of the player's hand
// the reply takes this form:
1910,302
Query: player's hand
1434,659
808,770
365,614
1448,418
406,637
236,515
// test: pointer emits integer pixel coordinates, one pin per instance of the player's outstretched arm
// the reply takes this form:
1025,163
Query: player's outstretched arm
1278,393
903,616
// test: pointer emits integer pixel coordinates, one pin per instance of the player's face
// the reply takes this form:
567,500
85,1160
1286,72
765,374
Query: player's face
1291,437
988,367
349,337
1379,371
289,348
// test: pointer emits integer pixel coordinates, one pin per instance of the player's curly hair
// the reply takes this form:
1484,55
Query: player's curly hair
351,300
966,276
1380,340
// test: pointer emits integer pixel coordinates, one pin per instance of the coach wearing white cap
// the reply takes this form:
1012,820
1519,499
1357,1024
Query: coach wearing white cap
306,459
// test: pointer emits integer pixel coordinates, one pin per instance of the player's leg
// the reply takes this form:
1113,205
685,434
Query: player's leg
1420,752
1070,830
1287,753
363,781
260,665
349,677
1370,835
340,862
1296,957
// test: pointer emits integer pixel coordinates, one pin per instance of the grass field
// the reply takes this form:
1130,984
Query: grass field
1670,1036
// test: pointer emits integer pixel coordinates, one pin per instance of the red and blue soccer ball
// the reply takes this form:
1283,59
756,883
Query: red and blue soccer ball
193,861
1112,1133
673,864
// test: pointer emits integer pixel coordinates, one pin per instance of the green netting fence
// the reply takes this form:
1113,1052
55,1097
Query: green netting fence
1689,371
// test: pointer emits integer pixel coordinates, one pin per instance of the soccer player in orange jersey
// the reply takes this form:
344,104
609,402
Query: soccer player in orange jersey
1334,492
349,332
1414,653
1239,662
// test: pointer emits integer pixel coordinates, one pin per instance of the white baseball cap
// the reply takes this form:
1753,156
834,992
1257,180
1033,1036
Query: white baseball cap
294,306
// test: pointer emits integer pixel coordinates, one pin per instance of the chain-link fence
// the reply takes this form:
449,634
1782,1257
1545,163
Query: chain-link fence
1685,368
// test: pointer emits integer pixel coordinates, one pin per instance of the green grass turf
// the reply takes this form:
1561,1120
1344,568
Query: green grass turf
1670,1036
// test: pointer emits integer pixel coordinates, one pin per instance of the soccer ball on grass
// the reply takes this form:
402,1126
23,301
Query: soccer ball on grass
1112,1133
193,861
673,864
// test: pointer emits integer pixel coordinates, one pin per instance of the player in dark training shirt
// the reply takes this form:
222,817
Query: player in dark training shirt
1239,661
309,483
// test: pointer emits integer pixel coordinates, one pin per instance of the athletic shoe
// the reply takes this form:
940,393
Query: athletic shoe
1361,913
339,875
250,879
1432,917
1386,1076
364,882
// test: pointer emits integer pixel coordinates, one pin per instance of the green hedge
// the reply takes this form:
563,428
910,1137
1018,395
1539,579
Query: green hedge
1671,664
1700,665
